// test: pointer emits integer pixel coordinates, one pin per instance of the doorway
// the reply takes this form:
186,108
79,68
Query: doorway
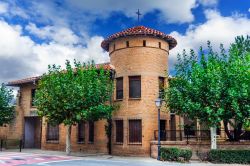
32,132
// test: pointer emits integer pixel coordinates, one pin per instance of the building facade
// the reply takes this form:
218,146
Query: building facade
139,56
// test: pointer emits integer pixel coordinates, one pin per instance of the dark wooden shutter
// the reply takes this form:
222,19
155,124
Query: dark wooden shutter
33,93
127,43
119,131
135,131
161,87
81,132
91,131
135,87
119,88
52,132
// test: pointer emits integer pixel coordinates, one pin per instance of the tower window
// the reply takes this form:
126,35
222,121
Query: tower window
114,47
161,87
119,88
135,131
135,87
127,43
159,44
144,43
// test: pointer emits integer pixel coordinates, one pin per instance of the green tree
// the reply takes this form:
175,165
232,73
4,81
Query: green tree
7,112
78,93
214,87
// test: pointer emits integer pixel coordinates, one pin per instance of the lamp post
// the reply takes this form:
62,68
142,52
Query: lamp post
158,103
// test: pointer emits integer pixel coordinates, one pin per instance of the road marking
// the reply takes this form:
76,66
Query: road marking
48,162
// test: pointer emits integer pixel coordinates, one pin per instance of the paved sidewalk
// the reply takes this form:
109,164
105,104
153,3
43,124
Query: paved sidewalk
17,158
33,157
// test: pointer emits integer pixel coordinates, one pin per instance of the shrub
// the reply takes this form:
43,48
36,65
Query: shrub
230,156
186,154
175,154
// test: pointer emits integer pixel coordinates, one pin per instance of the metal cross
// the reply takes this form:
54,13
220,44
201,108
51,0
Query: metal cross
139,14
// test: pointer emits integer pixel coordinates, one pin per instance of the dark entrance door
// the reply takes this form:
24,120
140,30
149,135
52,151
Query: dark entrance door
163,130
32,132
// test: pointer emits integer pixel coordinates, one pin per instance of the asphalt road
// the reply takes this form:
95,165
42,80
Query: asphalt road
109,162
47,159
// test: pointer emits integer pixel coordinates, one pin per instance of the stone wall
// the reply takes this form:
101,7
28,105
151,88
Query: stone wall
198,146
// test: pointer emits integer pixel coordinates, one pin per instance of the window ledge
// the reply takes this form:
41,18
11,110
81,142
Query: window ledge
90,142
117,100
52,142
118,143
136,143
134,99
80,142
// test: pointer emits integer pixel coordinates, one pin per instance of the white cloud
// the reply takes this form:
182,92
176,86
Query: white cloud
21,57
217,29
208,2
177,11
249,10
60,35
3,7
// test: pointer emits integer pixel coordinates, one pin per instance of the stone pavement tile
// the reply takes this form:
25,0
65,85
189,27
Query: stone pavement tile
13,159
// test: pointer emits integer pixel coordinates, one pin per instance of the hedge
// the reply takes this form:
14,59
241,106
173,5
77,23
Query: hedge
175,154
229,156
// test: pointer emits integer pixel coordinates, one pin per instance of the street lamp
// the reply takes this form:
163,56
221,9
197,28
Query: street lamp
158,103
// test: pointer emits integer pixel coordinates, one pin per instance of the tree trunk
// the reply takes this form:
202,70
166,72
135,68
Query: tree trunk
236,134
213,138
68,140
109,134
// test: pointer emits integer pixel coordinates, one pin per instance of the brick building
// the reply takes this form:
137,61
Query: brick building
139,56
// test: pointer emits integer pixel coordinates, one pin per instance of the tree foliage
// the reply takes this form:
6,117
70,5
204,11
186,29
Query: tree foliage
213,86
7,112
78,93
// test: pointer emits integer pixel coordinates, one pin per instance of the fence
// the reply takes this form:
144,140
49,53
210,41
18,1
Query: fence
195,135
11,144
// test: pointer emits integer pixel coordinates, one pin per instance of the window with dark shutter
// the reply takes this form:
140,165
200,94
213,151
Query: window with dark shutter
161,87
127,43
144,43
114,47
135,131
159,44
33,93
52,132
135,87
81,132
119,88
119,131
91,132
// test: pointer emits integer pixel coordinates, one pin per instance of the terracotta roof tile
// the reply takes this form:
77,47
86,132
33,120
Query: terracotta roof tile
137,31
106,66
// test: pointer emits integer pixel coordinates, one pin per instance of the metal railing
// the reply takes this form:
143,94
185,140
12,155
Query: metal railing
11,144
195,135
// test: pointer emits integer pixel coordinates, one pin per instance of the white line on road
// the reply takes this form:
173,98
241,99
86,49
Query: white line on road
58,161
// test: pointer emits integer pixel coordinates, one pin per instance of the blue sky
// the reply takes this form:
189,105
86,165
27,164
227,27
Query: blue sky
36,33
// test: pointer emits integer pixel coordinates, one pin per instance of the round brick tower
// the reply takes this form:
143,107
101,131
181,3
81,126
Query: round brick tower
140,57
